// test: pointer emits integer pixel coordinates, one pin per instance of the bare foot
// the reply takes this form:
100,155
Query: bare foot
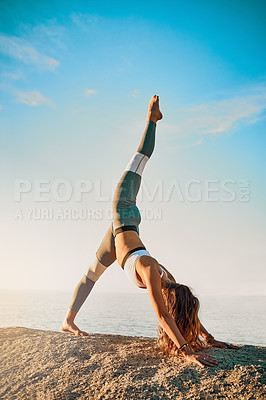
154,113
72,328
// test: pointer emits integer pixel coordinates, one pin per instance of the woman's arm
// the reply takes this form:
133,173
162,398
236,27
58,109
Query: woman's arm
204,333
149,273
213,342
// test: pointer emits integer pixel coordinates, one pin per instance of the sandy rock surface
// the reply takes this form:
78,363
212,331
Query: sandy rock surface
42,365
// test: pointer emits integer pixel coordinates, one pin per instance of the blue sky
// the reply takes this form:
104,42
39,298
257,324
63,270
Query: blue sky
75,81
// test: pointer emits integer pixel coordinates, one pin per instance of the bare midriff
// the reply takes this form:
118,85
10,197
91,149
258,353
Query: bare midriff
124,242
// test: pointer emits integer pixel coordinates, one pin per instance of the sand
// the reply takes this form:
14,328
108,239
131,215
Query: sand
36,364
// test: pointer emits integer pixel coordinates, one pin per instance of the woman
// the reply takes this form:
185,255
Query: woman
175,306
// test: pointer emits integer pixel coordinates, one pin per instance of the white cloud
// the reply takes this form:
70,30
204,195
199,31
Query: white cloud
13,75
21,50
89,92
196,143
33,99
50,35
134,93
84,21
220,116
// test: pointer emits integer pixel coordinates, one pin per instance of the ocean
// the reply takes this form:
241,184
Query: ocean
235,319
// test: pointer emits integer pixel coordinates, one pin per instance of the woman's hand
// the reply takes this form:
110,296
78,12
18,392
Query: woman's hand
223,345
200,358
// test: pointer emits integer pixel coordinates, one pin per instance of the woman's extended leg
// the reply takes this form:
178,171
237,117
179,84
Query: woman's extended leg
105,256
126,215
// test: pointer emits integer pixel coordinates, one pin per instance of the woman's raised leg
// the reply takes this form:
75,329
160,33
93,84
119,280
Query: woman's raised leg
125,212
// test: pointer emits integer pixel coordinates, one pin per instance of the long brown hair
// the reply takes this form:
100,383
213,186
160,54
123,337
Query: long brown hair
183,306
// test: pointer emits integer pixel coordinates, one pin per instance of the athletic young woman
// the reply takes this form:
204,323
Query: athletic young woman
174,304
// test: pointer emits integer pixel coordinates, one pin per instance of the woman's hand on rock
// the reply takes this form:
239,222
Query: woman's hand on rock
202,359
222,345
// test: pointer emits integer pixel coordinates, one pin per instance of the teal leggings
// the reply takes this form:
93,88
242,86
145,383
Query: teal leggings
126,215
